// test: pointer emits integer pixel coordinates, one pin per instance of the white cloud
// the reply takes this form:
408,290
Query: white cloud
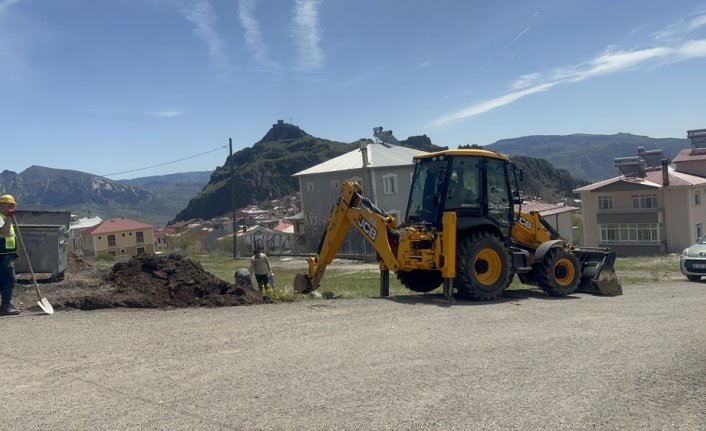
200,13
491,104
682,27
307,35
253,34
522,33
5,4
168,113
525,80
609,62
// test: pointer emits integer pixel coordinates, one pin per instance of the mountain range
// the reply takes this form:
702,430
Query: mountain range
588,157
554,165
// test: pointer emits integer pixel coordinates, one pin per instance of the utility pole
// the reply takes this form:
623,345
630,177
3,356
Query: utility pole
232,199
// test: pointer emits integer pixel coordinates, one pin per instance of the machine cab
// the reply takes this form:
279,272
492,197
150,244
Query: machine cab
472,182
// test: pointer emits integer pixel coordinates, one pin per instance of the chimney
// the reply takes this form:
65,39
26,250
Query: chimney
665,172
364,151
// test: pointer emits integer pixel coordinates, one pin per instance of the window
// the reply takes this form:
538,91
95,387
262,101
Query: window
644,201
140,237
123,234
309,187
498,195
389,184
140,250
334,185
605,202
697,197
699,231
111,240
630,233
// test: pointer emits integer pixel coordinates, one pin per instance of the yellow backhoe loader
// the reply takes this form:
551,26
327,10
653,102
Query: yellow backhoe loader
464,228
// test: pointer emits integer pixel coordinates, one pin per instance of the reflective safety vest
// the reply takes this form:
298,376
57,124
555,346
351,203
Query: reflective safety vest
7,242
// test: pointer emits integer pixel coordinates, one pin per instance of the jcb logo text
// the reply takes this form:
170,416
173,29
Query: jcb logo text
367,228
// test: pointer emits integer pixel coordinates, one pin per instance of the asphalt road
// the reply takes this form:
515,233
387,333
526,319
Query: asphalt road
529,362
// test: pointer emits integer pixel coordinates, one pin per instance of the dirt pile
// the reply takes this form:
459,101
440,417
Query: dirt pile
146,281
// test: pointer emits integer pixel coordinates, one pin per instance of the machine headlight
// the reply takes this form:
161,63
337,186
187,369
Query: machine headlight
685,252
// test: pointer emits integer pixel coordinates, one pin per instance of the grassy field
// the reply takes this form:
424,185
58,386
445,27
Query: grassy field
351,279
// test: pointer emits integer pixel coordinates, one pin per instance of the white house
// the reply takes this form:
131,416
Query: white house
385,172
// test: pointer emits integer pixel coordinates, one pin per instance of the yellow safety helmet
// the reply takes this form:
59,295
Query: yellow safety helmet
7,199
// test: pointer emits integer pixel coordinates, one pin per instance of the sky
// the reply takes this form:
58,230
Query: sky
135,88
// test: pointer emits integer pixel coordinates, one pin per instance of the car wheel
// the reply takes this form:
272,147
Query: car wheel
693,277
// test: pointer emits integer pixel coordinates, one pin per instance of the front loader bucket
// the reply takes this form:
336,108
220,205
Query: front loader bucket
302,283
598,272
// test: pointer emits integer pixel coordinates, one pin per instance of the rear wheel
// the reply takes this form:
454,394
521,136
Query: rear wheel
558,274
482,266
419,280
693,277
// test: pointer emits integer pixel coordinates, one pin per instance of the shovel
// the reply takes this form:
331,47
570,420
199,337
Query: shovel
43,303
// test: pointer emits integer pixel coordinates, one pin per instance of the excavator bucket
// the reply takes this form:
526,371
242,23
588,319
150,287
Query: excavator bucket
598,271
302,283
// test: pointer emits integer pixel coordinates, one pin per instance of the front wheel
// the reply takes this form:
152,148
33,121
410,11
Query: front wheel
558,274
482,267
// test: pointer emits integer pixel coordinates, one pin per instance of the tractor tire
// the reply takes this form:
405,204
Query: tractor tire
559,273
420,280
482,267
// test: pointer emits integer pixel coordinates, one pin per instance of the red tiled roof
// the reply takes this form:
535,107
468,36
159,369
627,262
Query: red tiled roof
283,226
545,208
117,225
689,155
653,178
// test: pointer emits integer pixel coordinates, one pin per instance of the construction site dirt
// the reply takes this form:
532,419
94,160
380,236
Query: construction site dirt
146,281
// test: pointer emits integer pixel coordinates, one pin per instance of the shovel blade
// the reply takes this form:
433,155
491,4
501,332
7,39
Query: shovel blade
598,274
302,283
45,306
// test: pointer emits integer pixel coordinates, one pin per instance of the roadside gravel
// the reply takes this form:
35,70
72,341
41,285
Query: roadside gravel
525,361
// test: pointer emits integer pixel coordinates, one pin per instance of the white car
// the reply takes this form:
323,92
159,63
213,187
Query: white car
693,260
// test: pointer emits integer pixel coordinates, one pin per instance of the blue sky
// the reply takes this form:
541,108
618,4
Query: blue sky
112,87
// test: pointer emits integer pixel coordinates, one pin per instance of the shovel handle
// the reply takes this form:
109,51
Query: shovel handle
26,255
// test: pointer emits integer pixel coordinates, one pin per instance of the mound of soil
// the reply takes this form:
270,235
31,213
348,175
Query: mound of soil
146,281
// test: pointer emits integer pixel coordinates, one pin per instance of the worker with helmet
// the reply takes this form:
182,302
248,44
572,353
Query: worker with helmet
8,254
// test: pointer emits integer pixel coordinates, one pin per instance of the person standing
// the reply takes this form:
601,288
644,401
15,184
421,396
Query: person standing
8,254
260,266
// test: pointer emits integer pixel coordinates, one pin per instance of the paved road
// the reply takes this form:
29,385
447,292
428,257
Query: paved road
410,363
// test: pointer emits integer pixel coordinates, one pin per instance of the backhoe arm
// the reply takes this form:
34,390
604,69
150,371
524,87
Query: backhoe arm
352,209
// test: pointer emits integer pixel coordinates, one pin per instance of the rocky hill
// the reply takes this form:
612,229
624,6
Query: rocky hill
264,171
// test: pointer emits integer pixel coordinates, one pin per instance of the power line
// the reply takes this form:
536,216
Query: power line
166,163
64,179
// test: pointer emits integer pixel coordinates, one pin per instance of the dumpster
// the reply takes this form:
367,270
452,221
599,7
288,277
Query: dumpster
45,234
